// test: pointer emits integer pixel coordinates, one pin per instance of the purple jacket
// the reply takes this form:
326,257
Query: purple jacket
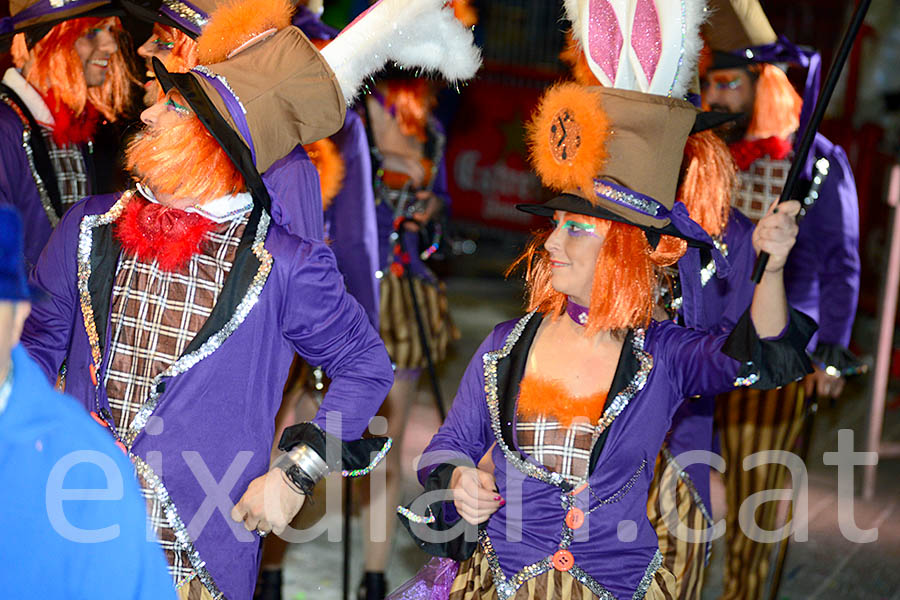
714,307
213,411
615,551
350,223
17,185
822,272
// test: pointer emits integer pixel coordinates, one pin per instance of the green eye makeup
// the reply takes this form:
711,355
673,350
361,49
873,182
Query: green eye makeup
162,45
178,108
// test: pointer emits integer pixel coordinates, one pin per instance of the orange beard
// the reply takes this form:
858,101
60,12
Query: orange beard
183,161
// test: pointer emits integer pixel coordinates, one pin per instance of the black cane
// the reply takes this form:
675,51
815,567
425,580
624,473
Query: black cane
809,134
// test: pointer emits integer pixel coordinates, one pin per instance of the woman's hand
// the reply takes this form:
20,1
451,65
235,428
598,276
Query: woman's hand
776,233
475,494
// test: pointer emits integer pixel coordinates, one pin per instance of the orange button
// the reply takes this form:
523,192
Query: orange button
575,518
121,446
563,560
98,419
93,371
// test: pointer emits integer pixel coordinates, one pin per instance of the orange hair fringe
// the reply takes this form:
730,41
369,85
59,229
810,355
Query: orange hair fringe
573,56
327,159
410,101
566,408
56,66
777,108
577,170
183,56
709,179
185,161
236,23
624,278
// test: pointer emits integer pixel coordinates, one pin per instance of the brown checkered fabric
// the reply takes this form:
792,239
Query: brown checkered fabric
155,315
565,450
761,185
69,168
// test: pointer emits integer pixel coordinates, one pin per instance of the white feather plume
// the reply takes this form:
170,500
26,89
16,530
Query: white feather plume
414,34
695,15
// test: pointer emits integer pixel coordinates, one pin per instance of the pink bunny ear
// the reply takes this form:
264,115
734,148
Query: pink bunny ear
605,37
646,38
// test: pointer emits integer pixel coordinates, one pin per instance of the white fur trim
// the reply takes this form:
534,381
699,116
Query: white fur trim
414,34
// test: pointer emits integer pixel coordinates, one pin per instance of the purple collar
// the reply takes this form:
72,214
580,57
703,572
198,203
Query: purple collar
577,312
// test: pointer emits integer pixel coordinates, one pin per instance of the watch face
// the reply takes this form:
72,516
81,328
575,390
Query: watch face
565,137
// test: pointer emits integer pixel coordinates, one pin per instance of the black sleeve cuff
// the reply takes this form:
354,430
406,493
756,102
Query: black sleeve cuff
439,516
838,361
770,363
355,458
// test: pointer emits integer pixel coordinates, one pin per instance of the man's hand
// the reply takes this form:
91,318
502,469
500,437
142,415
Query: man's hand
269,503
825,385
776,233
432,204
475,494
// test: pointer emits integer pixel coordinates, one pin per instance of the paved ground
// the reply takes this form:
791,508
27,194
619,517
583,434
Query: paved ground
827,566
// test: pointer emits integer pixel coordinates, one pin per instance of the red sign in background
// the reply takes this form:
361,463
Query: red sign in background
487,164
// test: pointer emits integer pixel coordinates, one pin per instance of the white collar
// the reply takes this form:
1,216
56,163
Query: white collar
30,96
221,210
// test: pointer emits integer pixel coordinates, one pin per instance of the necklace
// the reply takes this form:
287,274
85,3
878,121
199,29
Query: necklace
577,312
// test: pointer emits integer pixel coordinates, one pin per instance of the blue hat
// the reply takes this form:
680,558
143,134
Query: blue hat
13,284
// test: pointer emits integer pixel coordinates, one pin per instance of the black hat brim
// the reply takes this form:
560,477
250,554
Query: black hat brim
34,33
235,147
577,204
729,60
148,11
711,119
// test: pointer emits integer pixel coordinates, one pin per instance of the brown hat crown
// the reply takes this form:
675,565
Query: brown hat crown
627,165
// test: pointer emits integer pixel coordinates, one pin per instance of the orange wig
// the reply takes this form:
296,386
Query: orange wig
183,56
327,159
573,55
709,177
56,67
624,277
777,108
184,161
410,101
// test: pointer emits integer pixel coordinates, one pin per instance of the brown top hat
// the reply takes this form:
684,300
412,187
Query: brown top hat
737,24
36,17
618,151
263,101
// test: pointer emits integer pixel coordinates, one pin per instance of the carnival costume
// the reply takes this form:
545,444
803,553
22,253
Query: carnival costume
49,115
575,520
821,275
177,324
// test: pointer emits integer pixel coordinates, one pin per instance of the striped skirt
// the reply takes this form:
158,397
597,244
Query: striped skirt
399,329
751,421
475,582
684,557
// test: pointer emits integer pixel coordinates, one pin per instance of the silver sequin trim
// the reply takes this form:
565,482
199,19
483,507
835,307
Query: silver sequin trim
427,519
748,380
634,386
188,13
647,579
680,50
707,272
642,205
26,146
177,525
85,243
186,362
221,78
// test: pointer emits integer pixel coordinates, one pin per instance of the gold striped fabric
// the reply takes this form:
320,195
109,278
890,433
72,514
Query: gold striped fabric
194,590
475,582
399,330
752,421
685,559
